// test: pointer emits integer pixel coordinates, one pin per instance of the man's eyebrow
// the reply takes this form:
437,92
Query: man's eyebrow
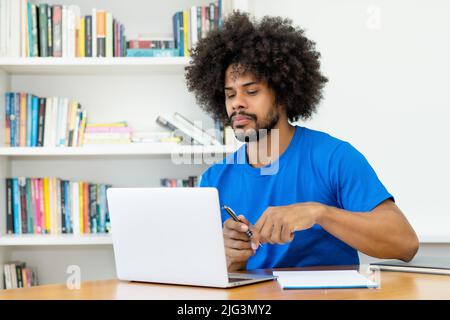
244,85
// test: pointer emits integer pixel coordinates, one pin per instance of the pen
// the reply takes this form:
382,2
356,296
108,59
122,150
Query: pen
235,218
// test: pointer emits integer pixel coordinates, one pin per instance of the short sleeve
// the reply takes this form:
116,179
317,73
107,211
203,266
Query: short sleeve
354,181
203,180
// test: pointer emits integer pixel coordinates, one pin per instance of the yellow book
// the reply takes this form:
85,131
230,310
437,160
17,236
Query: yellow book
24,278
23,120
82,128
186,20
81,194
52,193
46,205
112,124
81,38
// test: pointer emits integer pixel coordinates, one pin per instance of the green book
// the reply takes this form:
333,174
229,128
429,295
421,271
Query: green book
43,30
34,30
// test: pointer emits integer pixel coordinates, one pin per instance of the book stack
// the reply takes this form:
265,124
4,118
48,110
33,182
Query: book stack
154,137
54,206
191,181
107,133
16,274
190,132
192,24
33,121
148,46
29,29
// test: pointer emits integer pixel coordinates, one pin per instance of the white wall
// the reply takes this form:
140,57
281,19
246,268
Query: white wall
387,65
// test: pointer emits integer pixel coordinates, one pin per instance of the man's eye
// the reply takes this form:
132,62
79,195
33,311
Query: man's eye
230,96
252,92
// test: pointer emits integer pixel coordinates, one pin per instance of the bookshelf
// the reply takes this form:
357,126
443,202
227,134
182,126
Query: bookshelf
135,90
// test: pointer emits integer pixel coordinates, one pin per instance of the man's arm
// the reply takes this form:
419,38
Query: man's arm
382,233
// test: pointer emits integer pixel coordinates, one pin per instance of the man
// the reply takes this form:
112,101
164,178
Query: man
309,198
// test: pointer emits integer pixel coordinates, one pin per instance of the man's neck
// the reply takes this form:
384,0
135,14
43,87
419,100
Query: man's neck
270,147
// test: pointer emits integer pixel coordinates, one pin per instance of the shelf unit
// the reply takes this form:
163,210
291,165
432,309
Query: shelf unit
135,90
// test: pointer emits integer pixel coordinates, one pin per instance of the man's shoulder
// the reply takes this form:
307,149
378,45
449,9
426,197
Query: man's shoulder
321,142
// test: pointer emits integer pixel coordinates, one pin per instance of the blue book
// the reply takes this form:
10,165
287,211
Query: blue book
67,207
17,119
16,206
34,121
8,114
30,29
29,115
102,208
152,53
181,33
30,207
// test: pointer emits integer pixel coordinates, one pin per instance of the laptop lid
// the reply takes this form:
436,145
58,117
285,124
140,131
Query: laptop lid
168,235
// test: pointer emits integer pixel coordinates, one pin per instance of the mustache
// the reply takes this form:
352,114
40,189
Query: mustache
245,114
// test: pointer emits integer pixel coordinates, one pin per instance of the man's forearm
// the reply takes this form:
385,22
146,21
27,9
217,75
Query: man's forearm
384,233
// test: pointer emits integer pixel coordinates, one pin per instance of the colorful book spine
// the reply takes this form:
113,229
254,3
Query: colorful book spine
43,30
86,206
37,205
16,206
35,30
7,119
88,35
29,118
46,205
57,30
29,205
49,32
40,140
34,121
9,207
23,204
23,120
30,29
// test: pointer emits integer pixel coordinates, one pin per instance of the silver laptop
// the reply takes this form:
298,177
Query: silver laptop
171,235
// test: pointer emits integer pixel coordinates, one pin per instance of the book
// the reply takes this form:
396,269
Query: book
57,30
9,207
88,35
43,30
101,33
433,265
152,53
182,126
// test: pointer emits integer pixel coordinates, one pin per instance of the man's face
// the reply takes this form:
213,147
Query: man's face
250,105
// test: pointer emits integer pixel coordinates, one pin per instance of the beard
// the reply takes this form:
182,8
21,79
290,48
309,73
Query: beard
262,127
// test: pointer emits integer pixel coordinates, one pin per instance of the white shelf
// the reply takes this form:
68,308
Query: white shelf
107,150
55,240
94,66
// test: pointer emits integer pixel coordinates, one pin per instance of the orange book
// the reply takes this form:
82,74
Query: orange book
24,278
23,120
101,33
81,214
86,209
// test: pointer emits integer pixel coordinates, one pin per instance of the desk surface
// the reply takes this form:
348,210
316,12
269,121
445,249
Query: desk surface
394,285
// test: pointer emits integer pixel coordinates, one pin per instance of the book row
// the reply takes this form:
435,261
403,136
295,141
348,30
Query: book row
190,25
29,29
32,121
54,206
16,274
191,181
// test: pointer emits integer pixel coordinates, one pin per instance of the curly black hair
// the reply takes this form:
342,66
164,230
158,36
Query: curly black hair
271,50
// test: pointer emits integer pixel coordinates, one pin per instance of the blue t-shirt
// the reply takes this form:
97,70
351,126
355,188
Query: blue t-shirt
314,167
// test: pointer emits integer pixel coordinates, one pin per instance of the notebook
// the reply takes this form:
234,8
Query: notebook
432,265
335,279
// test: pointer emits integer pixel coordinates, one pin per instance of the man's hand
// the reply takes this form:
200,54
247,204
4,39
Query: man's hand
238,246
277,224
